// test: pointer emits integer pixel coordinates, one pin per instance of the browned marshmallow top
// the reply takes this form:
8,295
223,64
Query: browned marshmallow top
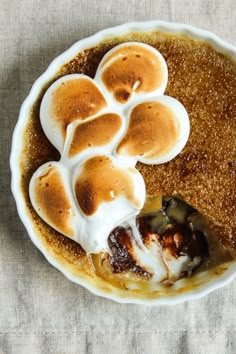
93,133
76,99
153,130
102,181
132,68
53,201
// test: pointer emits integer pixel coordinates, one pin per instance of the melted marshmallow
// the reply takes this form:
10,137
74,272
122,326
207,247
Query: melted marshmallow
107,192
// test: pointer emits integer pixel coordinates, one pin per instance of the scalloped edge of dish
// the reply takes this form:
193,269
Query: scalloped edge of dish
166,27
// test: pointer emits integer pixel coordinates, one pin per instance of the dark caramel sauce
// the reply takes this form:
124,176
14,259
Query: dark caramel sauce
135,69
102,181
205,83
52,199
96,132
152,131
76,99
121,250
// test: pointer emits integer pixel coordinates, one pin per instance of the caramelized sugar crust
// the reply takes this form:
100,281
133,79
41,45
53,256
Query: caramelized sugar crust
204,81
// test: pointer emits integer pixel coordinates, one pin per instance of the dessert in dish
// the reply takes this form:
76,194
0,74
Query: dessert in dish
95,186
176,213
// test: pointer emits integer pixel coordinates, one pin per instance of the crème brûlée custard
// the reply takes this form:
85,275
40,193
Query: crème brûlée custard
128,168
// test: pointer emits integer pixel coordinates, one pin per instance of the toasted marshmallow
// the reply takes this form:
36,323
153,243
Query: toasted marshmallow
108,193
131,70
169,266
149,256
97,135
158,130
72,97
176,265
52,197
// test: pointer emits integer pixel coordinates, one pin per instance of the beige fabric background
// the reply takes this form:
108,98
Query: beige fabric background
40,310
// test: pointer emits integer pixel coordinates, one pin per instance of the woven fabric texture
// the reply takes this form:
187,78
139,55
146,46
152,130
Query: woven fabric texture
40,310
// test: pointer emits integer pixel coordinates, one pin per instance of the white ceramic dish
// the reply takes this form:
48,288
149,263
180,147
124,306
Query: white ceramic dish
226,274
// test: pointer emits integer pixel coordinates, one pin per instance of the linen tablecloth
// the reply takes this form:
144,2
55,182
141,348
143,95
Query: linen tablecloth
40,310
